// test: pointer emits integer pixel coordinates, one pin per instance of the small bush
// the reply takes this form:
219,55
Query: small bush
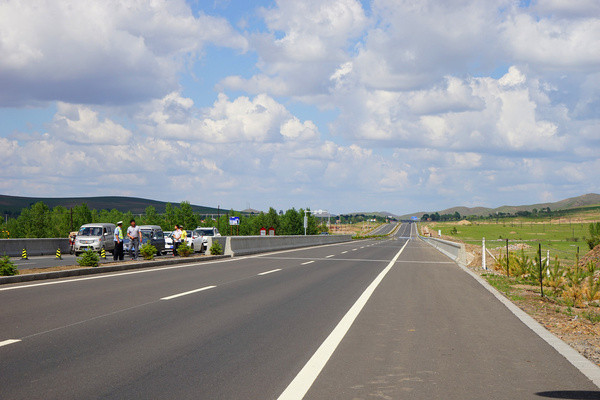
184,250
89,259
215,248
7,268
148,251
453,231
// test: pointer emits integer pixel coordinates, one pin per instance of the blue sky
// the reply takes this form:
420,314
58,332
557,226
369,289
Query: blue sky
341,105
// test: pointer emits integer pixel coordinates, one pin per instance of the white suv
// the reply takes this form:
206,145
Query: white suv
204,233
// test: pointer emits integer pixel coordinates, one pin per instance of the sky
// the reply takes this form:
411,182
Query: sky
339,105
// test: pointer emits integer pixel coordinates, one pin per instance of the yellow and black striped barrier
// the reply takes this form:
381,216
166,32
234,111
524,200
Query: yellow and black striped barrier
24,255
103,253
58,254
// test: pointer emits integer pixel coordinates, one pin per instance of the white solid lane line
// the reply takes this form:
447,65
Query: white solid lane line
309,373
329,256
186,293
9,341
308,262
269,272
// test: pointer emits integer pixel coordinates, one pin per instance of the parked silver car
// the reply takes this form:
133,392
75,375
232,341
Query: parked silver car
96,236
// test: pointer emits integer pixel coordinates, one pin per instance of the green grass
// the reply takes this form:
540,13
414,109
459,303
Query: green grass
562,239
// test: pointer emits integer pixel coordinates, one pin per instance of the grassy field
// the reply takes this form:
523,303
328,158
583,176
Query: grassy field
561,237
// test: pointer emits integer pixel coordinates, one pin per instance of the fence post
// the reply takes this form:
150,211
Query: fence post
541,274
483,263
507,261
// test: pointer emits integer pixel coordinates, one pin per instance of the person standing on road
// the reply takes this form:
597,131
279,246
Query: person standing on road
176,236
135,235
118,252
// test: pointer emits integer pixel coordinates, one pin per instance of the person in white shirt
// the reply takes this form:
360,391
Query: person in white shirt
135,235
176,236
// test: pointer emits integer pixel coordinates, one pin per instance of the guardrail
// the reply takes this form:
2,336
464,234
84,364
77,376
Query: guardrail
455,251
34,247
243,245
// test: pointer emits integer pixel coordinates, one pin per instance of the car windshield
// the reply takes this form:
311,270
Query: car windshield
146,234
167,234
205,232
90,231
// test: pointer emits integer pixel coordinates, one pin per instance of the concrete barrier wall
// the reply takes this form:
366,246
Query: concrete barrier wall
34,247
242,245
455,251
232,245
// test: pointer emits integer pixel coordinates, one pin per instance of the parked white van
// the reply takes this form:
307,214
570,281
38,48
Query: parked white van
96,237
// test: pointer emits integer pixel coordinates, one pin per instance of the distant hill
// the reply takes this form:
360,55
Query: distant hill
589,199
13,205
383,214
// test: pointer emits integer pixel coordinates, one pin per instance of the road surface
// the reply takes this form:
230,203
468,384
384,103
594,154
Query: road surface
266,326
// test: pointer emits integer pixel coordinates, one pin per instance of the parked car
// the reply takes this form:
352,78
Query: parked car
152,234
205,233
194,240
96,237
168,241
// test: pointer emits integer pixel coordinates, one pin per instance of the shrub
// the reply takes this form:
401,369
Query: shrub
594,239
184,250
7,268
453,231
215,248
148,251
89,259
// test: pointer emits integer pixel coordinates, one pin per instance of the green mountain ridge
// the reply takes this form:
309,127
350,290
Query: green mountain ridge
589,199
12,205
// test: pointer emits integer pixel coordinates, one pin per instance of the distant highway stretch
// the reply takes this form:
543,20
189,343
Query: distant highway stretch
389,318
383,229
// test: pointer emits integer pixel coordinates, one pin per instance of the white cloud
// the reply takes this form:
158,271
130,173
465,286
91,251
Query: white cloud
549,43
100,51
80,124
260,119
305,43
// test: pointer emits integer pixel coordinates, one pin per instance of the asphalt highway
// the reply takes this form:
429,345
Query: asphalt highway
383,229
385,318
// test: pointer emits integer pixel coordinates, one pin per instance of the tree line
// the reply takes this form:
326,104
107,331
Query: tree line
39,221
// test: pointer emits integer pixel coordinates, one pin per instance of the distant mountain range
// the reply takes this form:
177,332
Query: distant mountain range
589,199
13,205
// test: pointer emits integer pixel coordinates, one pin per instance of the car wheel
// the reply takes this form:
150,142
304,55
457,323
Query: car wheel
192,247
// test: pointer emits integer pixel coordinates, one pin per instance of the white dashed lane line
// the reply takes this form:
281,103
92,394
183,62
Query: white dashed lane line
308,262
9,341
186,293
269,272
329,256
344,252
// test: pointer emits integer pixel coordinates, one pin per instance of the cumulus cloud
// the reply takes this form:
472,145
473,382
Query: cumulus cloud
260,119
100,52
78,124
552,43
427,104
304,43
